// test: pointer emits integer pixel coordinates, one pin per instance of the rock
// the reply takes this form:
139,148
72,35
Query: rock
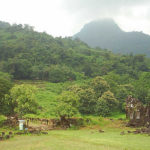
122,133
19,133
92,132
1,138
129,132
135,132
3,133
44,132
101,131
10,133
7,137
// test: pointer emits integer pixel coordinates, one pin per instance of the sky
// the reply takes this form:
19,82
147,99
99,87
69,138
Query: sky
67,17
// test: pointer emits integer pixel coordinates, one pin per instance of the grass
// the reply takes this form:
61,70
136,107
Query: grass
118,115
79,140
87,138
48,92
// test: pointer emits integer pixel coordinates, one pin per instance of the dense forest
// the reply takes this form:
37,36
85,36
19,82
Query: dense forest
29,55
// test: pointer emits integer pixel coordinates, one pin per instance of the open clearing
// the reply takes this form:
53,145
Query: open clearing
78,140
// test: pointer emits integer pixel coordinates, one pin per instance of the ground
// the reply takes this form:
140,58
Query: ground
83,139
87,138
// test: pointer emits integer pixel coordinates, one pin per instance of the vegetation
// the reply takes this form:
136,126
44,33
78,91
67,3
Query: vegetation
5,86
106,104
21,100
67,105
44,77
98,79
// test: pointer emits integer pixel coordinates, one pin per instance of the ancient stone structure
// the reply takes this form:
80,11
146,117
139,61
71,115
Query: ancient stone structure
137,113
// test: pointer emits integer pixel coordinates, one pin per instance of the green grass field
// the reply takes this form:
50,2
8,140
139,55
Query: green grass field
87,138
48,92
78,140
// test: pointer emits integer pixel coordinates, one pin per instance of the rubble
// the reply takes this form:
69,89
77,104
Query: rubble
137,113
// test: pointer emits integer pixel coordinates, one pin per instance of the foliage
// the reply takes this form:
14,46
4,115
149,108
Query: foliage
5,86
99,85
2,119
27,54
67,105
147,98
106,104
30,55
87,101
22,99
123,91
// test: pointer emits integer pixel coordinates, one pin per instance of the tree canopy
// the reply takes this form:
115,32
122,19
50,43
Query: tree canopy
29,55
21,100
5,86
67,104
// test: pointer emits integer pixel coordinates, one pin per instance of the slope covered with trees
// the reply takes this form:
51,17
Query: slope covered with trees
27,54
107,78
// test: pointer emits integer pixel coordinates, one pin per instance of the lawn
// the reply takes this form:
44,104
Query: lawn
79,140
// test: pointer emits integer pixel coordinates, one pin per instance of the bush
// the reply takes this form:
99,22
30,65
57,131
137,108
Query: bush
99,85
5,86
106,104
22,100
67,105
2,119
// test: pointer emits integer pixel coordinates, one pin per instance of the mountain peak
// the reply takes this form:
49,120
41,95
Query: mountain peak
102,25
105,33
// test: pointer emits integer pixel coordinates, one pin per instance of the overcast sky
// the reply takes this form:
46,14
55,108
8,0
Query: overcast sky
67,17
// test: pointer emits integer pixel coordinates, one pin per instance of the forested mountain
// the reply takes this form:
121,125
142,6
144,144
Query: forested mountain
30,55
106,34
27,54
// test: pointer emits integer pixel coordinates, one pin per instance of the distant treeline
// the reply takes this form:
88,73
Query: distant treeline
27,54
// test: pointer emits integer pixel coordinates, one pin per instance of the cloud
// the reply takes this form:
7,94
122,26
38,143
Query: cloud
74,6
100,8
66,17
120,10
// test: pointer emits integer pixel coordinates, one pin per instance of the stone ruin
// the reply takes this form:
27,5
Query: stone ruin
137,113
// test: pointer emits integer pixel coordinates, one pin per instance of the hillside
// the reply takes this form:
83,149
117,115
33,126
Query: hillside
107,35
27,54
69,65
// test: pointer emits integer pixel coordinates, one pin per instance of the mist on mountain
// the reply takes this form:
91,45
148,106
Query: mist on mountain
106,34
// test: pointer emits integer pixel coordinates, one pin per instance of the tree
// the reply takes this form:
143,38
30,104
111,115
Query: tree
57,73
5,86
102,108
147,99
99,85
106,104
19,68
123,91
87,98
22,99
67,105
142,87
87,101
